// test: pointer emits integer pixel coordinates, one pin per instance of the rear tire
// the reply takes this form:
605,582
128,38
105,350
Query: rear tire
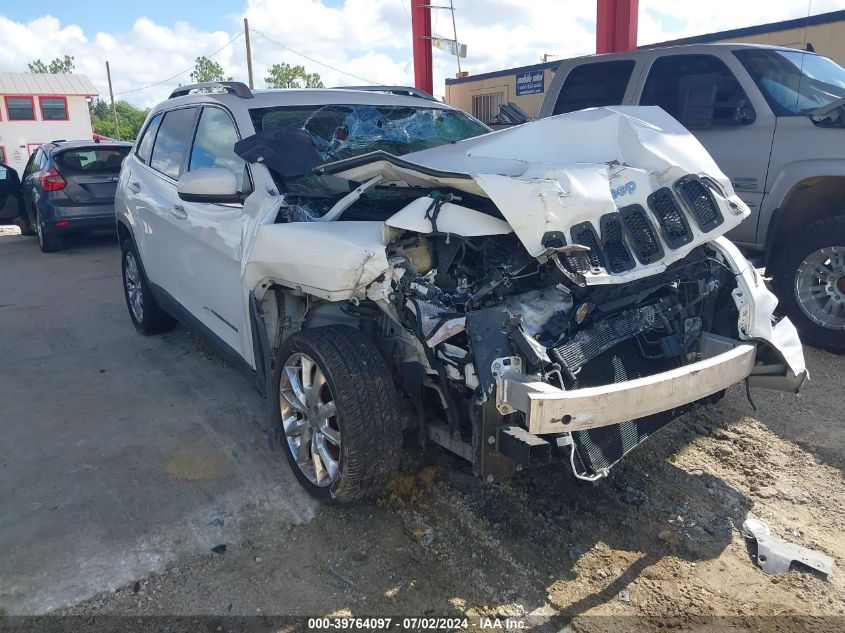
47,243
147,316
337,409
809,280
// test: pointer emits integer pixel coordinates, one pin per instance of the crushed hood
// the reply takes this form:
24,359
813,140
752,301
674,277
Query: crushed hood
629,183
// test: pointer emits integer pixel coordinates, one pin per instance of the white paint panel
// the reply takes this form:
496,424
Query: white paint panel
453,218
331,260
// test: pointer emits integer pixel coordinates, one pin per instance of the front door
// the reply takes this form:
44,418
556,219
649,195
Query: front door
704,94
210,246
10,194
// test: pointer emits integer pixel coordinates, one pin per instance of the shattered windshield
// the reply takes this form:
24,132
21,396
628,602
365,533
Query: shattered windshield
794,82
344,131
341,131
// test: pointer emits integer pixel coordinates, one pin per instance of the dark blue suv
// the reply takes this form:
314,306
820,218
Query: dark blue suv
68,187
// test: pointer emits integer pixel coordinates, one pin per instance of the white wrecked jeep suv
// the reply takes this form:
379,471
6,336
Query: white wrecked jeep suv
380,262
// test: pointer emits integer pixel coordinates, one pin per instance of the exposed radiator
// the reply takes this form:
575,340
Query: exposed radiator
590,342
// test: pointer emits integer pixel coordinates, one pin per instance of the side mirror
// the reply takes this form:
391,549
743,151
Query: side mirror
744,114
209,184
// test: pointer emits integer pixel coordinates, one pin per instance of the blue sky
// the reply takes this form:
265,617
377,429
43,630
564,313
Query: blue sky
152,44
208,15
115,16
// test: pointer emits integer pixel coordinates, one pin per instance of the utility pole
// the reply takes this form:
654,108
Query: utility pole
248,54
455,35
113,108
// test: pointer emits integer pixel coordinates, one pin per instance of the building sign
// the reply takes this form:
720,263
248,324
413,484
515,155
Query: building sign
530,83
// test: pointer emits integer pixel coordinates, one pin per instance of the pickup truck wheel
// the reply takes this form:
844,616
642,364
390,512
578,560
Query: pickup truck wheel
47,243
810,283
146,314
336,407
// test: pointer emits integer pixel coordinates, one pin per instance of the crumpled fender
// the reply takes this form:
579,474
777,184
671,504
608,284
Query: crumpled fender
756,305
331,260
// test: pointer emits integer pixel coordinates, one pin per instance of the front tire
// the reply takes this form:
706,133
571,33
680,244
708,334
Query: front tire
336,407
147,316
809,280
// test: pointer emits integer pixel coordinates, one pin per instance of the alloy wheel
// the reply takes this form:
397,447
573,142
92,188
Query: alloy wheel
132,282
820,287
309,418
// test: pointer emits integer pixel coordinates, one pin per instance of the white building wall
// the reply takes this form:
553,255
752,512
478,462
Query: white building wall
20,138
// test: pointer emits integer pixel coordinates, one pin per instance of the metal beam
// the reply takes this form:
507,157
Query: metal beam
421,31
616,25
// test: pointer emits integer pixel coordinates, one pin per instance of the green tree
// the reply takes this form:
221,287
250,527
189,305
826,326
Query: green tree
59,66
130,119
206,69
286,76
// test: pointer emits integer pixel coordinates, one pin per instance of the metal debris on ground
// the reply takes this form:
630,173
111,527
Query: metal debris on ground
775,555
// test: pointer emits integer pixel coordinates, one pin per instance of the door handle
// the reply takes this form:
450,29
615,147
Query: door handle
135,187
178,211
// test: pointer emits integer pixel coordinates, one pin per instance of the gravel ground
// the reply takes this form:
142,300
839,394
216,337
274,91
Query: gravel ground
659,540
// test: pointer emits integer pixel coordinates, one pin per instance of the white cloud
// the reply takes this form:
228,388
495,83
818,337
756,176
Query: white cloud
368,38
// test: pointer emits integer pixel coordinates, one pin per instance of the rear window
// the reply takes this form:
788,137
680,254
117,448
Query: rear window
594,85
145,145
99,159
172,141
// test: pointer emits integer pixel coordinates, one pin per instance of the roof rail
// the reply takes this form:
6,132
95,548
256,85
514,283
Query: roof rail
232,87
406,91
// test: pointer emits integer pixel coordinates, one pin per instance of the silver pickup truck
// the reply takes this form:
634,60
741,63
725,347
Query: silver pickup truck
773,119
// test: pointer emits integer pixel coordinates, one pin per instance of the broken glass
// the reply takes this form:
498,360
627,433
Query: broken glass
340,131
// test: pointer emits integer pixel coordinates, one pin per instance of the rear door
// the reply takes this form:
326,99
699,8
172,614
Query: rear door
151,197
210,247
91,172
10,192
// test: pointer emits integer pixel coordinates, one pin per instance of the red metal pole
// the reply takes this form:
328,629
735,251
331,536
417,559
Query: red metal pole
616,25
421,31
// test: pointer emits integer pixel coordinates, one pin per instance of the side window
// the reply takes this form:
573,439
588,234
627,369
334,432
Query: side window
594,85
145,145
32,163
172,140
698,90
214,144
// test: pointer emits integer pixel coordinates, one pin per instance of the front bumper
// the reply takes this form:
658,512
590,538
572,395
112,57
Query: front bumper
722,362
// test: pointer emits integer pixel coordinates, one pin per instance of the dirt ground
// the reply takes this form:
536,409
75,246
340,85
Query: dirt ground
658,540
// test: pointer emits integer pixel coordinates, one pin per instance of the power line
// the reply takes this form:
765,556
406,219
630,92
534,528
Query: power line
316,61
163,81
